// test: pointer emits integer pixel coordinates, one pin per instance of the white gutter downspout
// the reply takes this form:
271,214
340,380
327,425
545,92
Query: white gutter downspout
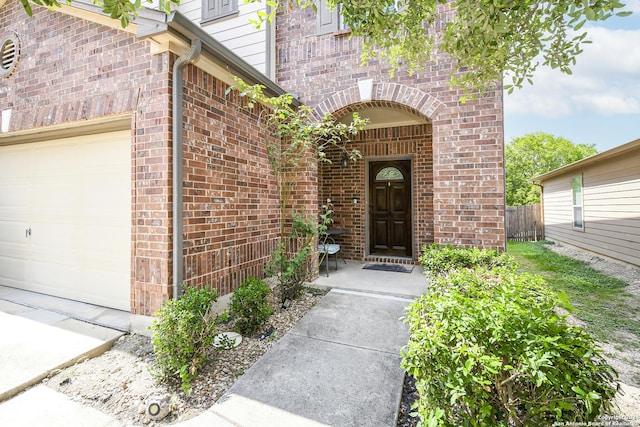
178,66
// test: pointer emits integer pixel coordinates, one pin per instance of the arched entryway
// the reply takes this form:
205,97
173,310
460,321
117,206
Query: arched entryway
383,203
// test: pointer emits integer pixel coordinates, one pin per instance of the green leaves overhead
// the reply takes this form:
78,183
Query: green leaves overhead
122,10
485,38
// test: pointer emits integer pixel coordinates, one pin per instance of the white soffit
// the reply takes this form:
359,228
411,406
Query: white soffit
382,117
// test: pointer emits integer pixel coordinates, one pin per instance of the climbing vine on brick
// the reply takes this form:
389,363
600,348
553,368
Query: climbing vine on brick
298,141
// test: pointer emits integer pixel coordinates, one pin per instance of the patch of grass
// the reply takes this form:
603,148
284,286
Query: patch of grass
598,300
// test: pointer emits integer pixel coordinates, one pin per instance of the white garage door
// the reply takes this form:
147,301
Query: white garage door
65,218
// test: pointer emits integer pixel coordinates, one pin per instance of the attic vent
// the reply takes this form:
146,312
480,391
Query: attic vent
9,53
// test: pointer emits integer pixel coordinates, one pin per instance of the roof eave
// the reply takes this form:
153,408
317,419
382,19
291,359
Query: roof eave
152,23
179,26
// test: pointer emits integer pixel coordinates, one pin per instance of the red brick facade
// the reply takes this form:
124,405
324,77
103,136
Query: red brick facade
457,159
231,212
343,185
72,70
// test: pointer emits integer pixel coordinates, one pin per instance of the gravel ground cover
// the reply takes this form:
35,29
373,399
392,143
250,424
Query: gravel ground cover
118,382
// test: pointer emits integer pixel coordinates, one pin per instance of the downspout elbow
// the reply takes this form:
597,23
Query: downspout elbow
177,121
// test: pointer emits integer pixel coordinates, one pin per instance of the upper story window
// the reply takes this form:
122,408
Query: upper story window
329,20
576,194
218,9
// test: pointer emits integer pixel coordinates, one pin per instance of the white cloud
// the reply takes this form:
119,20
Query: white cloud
633,6
616,51
608,104
604,80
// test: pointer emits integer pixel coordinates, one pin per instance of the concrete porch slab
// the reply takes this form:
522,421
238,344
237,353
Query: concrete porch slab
351,276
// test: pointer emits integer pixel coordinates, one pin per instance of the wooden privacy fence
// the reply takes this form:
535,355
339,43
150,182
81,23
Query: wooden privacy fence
524,223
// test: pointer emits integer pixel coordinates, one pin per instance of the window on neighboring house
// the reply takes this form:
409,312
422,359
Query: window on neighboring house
217,9
576,190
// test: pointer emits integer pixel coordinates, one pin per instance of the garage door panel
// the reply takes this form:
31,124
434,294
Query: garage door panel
14,165
14,253
48,199
75,195
59,157
103,239
15,197
97,278
14,188
51,277
12,232
14,270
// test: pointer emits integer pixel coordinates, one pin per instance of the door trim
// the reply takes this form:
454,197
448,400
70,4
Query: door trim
367,230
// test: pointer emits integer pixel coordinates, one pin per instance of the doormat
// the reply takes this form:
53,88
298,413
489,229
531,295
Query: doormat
396,268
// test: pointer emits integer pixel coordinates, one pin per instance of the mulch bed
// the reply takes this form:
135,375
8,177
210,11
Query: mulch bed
409,395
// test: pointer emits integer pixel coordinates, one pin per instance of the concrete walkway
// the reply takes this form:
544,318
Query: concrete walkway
338,366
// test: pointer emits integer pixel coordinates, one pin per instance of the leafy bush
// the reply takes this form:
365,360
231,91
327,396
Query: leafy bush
250,305
183,330
487,348
437,259
291,262
291,269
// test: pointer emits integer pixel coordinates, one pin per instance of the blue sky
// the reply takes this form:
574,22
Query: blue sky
599,103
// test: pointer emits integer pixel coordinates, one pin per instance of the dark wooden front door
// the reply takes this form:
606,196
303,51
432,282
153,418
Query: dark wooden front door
390,208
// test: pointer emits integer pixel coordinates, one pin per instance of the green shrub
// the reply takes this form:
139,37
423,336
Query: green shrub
437,259
487,348
291,263
291,270
250,306
182,333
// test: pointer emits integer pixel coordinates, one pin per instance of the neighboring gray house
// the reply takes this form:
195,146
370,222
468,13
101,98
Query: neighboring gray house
594,203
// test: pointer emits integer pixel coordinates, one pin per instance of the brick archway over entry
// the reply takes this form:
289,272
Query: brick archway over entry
402,96
408,141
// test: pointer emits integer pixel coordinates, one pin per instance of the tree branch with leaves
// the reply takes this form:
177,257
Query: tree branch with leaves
122,10
533,154
485,38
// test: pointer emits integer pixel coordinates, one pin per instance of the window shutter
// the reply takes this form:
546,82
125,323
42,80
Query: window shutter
226,7
214,9
327,19
209,9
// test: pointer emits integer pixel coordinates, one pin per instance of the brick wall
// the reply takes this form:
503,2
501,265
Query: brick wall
231,212
466,153
72,70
